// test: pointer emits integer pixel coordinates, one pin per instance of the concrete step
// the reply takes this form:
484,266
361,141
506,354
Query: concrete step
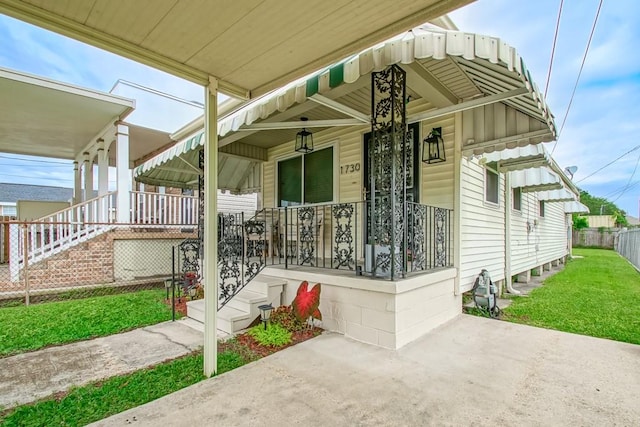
229,319
246,298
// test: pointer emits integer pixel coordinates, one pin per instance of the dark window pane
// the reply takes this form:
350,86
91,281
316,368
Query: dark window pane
290,182
491,190
517,199
318,176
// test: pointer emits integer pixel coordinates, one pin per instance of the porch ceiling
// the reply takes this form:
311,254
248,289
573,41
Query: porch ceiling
252,46
42,117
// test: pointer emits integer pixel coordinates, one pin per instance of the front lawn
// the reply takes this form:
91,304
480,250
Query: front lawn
27,328
598,295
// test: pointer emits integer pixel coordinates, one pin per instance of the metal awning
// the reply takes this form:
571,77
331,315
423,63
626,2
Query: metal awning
493,68
535,179
575,207
519,158
561,195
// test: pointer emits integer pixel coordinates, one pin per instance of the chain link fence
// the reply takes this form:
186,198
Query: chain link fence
41,262
628,245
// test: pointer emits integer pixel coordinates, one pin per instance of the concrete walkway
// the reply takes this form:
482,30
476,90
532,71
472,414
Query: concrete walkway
31,376
470,371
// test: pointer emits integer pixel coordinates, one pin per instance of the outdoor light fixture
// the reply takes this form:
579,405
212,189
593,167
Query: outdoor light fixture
168,283
433,147
265,313
304,139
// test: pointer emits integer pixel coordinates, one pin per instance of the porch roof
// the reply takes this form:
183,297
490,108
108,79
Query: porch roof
236,43
33,121
535,179
444,66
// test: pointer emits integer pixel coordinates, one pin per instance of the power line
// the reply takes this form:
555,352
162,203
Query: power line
629,181
608,164
553,50
575,87
35,160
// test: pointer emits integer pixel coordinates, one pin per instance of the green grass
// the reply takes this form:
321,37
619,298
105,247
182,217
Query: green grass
28,328
84,405
598,295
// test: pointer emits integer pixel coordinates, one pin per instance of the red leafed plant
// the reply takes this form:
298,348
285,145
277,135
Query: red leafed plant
305,304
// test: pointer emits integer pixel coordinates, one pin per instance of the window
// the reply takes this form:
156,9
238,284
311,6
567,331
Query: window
541,208
9,211
306,179
516,195
491,186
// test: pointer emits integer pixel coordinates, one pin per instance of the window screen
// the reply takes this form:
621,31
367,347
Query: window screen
517,199
290,182
318,176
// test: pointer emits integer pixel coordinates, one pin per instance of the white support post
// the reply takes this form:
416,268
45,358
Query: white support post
77,183
123,175
210,267
103,170
103,180
88,177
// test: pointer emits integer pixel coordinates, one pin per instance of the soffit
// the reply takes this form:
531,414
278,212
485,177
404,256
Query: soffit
257,45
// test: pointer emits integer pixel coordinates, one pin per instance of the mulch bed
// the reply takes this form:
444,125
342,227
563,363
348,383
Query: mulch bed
260,350
181,305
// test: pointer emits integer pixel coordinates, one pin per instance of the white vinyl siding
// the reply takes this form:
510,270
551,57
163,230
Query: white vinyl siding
437,180
482,227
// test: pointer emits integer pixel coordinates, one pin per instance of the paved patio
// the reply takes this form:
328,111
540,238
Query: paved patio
471,371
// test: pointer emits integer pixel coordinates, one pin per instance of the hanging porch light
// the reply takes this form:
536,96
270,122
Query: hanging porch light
433,147
304,139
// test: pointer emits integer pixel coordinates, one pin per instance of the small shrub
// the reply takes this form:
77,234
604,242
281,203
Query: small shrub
285,317
273,336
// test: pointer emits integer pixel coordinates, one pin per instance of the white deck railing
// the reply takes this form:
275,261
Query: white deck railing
163,209
59,231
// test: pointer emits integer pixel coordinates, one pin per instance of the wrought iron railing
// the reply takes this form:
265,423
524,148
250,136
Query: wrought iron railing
330,236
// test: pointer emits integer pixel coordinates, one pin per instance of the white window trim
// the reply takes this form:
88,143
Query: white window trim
336,172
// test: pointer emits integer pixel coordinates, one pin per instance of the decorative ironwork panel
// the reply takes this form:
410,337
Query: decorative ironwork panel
416,236
441,236
343,241
189,254
255,251
201,202
307,235
230,246
388,172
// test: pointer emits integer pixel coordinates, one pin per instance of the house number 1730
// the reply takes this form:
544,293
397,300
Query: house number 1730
350,168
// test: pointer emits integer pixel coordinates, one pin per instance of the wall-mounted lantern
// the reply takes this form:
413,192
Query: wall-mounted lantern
433,147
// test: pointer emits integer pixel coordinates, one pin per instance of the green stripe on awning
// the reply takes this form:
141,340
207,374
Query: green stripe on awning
336,75
312,86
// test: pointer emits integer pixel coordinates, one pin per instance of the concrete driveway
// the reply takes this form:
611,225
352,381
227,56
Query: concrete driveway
471,371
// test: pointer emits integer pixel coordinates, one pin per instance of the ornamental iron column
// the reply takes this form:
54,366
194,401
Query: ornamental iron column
388,158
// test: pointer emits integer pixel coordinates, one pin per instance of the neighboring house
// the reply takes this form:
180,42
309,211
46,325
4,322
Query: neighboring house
597,221
459,192
633,221
10,194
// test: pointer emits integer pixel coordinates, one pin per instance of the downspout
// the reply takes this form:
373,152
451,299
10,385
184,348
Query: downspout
457,199
508,193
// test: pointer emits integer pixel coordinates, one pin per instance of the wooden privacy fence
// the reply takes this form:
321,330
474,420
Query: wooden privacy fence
596,237
628,245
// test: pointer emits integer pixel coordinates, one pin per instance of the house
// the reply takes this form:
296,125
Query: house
11,193
343,186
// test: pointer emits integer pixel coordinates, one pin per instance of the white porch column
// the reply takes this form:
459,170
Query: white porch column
122,173
210,266
77,183
88,176
103,169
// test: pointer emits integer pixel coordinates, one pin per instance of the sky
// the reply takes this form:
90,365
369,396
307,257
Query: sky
600,125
